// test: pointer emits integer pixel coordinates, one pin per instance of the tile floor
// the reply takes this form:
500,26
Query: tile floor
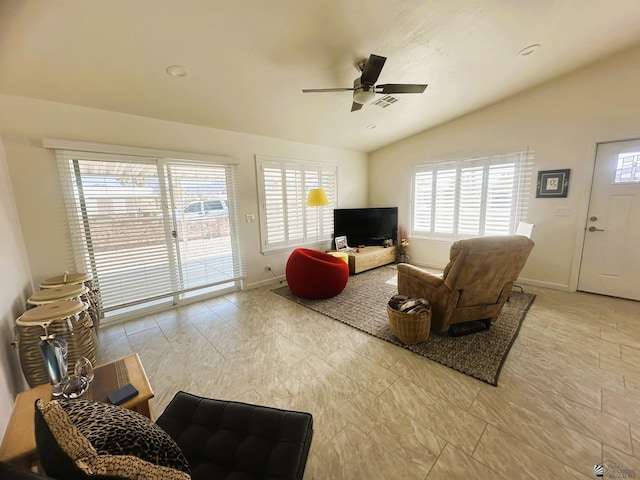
568,395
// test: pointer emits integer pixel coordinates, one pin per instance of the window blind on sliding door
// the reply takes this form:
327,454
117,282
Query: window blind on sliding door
204,199
118,232
150,228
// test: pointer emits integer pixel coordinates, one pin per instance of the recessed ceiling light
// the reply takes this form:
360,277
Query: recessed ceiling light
371,126
529,50
177,71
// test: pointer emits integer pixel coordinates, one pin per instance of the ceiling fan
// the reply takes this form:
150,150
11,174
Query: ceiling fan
365,88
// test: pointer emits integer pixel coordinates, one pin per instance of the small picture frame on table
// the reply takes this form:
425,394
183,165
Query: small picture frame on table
341,244
553,183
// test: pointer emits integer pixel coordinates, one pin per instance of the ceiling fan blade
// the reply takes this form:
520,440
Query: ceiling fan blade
372,69
355,106
316,90
400,88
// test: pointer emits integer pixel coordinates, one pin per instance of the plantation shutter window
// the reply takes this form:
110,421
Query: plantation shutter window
151,229
474,197
285,219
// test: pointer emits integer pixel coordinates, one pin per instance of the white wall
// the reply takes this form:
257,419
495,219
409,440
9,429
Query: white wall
15,288
24,122
562,122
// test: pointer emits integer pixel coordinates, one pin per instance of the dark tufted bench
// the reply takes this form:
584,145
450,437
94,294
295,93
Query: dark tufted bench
233,440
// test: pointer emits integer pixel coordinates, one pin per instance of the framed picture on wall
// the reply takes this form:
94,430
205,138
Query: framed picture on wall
553,183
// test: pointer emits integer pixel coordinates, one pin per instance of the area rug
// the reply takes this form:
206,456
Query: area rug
362,305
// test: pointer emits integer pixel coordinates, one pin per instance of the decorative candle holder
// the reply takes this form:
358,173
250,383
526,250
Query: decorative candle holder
54,352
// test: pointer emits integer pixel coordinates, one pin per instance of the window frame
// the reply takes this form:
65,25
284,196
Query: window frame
308,174
520,192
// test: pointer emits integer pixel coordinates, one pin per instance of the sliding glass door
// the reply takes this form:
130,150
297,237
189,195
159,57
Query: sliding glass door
202,228
151,230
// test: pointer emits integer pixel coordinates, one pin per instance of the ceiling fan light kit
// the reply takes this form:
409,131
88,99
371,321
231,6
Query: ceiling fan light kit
365,88
363,94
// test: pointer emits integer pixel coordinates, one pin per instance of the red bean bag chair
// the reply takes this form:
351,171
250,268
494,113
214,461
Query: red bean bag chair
315,274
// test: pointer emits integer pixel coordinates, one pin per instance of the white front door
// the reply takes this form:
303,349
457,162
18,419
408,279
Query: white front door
611,254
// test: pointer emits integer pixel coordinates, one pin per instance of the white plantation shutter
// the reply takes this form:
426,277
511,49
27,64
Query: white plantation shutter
283,186
294,196
274,181
328,181
445,201
480,196
500,196
470,211
422,201
127,224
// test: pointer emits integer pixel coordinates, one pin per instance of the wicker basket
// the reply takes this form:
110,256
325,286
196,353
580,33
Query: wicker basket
410,328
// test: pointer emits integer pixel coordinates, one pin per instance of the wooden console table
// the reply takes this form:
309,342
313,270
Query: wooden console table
19,442
370,257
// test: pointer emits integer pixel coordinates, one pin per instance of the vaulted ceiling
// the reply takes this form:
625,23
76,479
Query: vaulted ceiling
248,61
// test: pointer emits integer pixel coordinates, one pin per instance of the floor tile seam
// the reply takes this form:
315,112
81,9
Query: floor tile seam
195,325
604,356
541,387
630,370
415,384
550,390
296,361
565,335
487,466
392,406
209,342
475,397
142,329
475,447
422,421
527,441
635,399
571,425
530,353
442,398
629,356
568,376
437,459
554,393
603,441
359,382
418,420
532,447
190,330
359,388
298,344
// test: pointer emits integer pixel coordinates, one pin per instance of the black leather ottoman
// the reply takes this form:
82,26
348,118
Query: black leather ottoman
238,441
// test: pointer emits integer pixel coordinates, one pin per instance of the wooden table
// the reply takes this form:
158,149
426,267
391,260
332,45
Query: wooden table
19,443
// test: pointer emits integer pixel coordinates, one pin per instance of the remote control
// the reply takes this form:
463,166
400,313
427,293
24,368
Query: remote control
122,394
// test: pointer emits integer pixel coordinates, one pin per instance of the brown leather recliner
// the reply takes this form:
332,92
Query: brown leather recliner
474,285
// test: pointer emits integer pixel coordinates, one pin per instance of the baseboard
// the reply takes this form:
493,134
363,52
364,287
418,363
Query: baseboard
264,283
542,284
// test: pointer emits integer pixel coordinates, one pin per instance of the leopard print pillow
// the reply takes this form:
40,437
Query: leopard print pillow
104,439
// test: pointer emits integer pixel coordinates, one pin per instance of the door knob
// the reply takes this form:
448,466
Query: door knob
594,229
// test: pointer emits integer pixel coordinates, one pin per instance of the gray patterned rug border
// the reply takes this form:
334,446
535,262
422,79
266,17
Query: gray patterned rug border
362,305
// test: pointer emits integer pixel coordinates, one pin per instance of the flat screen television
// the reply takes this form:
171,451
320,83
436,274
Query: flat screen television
366,226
